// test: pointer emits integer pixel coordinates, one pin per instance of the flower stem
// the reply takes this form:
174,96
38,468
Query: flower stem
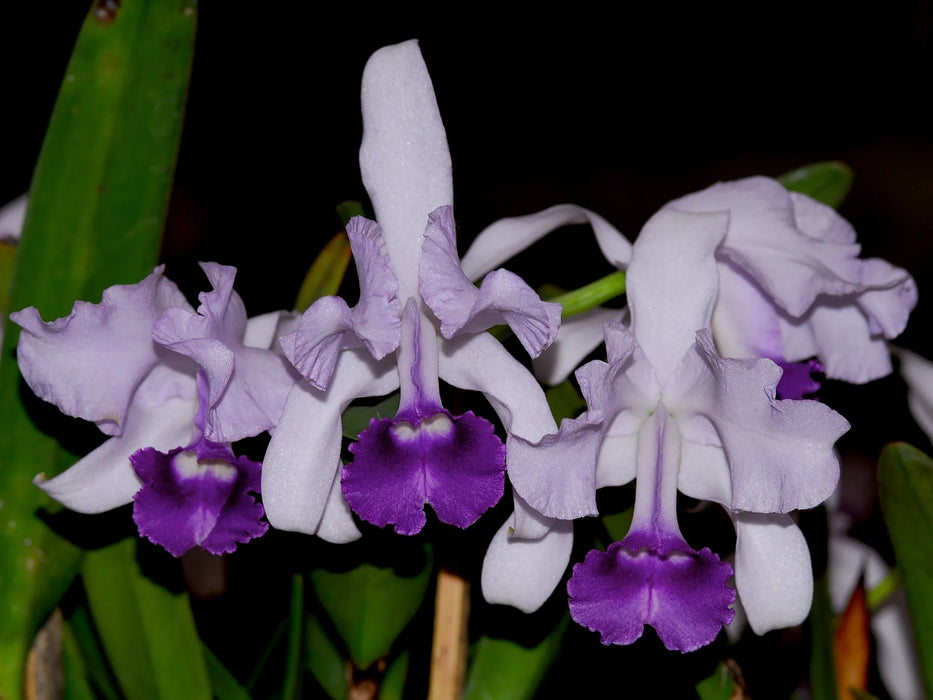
592,295
449,650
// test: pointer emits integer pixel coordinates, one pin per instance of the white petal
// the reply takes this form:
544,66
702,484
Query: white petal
896,649
672,283
337,524
104,479
261,331
578,336
404,157
505,238
303,457
480,363
918,373
772,570
845,565
12,217
524,572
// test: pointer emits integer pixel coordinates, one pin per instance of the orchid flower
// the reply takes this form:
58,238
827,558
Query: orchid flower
791,287
419,320
670,412
169,421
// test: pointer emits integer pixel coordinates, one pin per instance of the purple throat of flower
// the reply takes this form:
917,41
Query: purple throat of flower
680,592
798,381
456,464
198,495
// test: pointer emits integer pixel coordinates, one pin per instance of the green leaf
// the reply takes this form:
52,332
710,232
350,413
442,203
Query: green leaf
76,684
324,660
905,477
828,182
98,201
80,627
822,626
372,603
326,272
356,418
224,683
718,686
504,669
147,630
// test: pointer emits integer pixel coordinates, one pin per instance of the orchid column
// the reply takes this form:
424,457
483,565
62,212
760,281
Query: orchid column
419,319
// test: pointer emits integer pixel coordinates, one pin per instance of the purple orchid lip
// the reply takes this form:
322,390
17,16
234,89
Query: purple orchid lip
454,463
197,496
680,592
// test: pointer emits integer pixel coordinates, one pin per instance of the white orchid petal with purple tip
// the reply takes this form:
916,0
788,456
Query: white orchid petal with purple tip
692,421
102,363
415,301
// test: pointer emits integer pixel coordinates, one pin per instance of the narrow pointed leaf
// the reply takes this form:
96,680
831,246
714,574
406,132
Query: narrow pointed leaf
294,668
393,682
323,659
905,478
224,683
146,629
98,202
828,182
822,664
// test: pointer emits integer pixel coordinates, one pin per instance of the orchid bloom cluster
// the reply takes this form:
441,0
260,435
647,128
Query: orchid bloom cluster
736,296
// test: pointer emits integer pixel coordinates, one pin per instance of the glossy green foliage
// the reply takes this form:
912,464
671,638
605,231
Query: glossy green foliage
145,626
371,603
828,182
99,197
503,668
905,481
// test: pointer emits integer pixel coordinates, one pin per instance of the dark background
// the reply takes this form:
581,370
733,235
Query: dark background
618,111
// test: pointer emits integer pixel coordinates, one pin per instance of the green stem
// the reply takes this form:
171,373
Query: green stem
592,294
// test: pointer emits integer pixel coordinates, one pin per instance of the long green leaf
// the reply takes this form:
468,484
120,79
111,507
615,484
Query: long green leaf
323,659
147,630
224,683
98,202
905,478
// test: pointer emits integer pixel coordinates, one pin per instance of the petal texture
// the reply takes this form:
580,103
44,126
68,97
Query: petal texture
90,362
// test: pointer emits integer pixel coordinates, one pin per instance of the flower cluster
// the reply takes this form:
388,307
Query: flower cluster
736,296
